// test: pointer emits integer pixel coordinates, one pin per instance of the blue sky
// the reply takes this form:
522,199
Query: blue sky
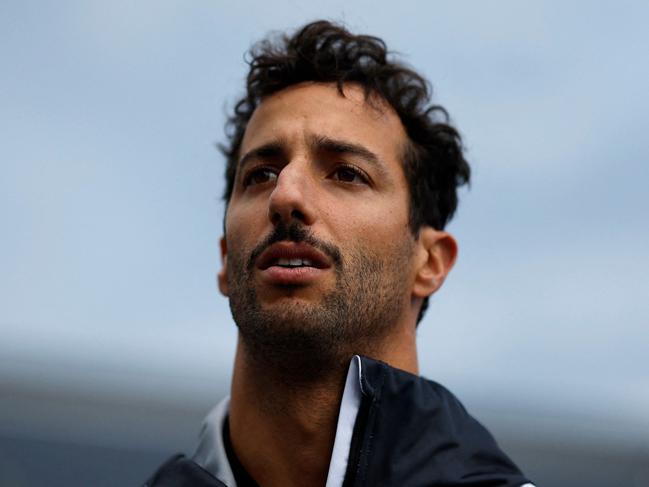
110,195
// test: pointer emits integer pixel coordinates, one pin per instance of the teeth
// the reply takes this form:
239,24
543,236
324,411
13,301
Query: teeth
297,262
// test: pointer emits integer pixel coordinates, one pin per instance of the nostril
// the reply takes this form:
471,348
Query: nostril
276,217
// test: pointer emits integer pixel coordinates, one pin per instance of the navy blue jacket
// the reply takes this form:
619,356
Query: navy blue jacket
409,432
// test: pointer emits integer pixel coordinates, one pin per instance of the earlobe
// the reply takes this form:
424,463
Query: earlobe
438,251
222,276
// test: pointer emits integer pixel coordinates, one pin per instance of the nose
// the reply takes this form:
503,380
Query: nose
292,196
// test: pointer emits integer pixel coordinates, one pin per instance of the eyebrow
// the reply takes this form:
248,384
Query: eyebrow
265,151
318,143
336,146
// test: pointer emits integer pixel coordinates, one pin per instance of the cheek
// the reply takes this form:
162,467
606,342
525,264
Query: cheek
388,229
239,224
385,237
236,243
383,222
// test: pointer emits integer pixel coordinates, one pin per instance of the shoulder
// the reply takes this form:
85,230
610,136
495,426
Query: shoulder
417,432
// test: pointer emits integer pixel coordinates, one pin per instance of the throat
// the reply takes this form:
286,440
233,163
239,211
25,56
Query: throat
283,435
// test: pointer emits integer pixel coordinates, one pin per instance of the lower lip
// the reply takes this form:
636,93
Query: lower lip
291,276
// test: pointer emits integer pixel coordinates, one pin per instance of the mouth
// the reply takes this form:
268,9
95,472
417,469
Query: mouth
290,263
290,255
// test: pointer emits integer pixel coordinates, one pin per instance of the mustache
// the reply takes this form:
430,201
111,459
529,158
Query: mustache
298,233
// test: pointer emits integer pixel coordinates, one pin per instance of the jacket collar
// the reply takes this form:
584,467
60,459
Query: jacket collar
211,455
394,429
411,431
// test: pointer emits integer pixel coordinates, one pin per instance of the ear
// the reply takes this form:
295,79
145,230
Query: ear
222,276
436,256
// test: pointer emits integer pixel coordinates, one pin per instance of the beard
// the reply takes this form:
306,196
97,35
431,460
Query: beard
306,341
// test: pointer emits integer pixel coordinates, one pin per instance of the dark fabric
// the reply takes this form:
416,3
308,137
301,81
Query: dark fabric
180,471
409,432
241,475
417,433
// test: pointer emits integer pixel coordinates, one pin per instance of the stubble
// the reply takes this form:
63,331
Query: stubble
307,341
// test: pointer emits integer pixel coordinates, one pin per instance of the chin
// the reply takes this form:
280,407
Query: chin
290,312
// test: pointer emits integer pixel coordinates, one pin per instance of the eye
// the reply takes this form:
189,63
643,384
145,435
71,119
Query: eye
350,174
260,175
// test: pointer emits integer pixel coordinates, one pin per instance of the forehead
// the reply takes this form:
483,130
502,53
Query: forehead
301,112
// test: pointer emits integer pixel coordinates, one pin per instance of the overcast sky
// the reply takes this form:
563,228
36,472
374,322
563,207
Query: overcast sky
110,191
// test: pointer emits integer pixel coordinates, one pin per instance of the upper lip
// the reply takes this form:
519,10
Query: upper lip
292,250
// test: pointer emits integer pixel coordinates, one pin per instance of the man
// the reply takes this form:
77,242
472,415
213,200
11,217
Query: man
340,181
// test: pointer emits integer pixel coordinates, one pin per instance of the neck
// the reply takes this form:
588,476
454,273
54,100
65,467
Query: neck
283,430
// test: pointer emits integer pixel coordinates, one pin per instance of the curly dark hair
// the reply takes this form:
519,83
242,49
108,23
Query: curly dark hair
322,51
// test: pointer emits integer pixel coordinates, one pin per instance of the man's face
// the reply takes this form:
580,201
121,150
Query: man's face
318,251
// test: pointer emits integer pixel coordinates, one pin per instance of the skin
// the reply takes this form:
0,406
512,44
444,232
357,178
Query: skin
283,430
